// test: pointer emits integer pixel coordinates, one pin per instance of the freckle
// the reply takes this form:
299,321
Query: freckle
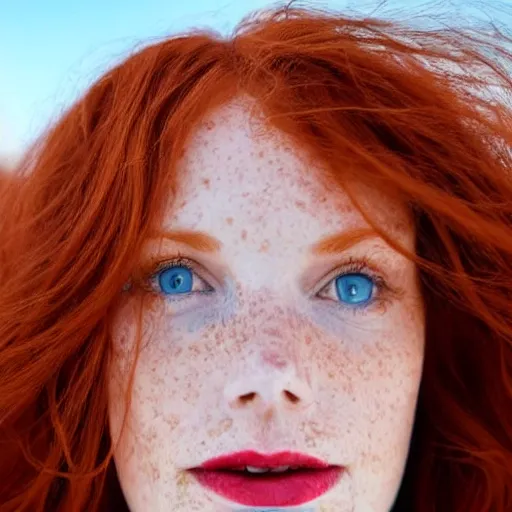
229,221
177,351
206,183
261,154
194,349
268,414
244,234
155,473
273,359
173,421
183,479
310,441
152,436
264,247
223,427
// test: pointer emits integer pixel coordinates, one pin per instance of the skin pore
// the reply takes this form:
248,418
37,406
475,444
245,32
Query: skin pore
264,351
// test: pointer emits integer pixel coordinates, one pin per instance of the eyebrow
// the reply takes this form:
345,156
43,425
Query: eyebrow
206,243
196,240
340,242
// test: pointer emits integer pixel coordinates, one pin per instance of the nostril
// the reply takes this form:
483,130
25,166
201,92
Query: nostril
291,397
248,397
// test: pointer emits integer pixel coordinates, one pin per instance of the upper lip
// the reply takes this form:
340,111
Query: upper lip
260,460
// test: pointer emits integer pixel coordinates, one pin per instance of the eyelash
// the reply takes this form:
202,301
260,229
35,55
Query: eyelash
382,295
149,277
380,298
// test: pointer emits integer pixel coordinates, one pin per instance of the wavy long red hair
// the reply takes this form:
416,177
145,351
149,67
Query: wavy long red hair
397,107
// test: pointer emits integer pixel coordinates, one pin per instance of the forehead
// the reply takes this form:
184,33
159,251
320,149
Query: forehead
237,164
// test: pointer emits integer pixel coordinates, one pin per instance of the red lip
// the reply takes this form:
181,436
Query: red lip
226,476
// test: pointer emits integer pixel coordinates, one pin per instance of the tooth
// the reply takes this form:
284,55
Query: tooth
280,469
253,469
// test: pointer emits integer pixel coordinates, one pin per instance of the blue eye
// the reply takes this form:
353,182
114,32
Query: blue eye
354,288
175,280
178,278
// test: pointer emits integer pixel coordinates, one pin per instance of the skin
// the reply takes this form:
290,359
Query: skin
322,378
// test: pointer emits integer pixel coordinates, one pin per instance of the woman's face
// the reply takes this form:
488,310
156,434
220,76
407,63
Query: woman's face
274,337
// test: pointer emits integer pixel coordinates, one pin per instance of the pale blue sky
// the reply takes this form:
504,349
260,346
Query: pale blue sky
50,50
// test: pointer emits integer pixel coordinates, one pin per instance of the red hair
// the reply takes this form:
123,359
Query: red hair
394,106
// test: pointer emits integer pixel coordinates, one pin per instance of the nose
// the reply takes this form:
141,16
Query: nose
280,389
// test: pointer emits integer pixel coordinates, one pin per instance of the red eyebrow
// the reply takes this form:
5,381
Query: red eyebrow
206,243
342,241
195,239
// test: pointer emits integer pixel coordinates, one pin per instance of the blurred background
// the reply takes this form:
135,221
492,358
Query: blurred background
52,50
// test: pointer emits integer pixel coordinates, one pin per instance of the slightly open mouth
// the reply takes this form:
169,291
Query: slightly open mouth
276,486
260,471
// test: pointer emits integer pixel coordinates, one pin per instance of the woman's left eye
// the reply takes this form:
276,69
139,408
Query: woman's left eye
178,279
352,289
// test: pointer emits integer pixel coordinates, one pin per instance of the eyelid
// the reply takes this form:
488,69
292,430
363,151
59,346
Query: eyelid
176,261
148,272
353,265
384,295
211,265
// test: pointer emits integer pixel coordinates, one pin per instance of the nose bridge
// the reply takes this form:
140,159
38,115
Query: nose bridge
271,318
274,370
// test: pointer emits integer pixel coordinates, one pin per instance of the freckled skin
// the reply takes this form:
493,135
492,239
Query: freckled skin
325,381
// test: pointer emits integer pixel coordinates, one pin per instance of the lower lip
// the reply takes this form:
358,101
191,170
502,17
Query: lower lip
270,490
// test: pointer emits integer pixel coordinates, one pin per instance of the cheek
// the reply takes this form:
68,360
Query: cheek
137,338
365,349
386,371
372,378
169,362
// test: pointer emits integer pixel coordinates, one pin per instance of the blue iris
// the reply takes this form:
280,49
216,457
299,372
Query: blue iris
175,280
354,288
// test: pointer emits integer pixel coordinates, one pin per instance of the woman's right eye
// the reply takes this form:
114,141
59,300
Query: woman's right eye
178,279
